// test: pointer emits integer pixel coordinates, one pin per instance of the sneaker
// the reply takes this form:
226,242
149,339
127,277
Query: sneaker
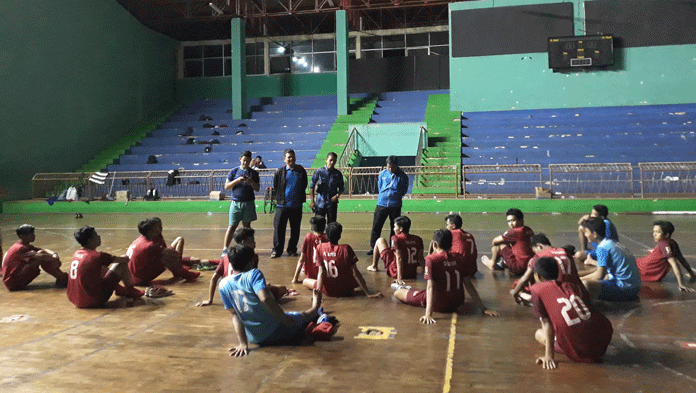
396,287
371,252
275,255
292,254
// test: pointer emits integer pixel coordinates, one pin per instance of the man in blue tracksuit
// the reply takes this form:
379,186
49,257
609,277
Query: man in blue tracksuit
392,185
327,183
289,183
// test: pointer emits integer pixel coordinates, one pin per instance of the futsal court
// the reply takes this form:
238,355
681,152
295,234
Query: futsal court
170,345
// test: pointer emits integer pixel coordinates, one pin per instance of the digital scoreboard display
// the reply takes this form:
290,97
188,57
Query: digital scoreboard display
581,51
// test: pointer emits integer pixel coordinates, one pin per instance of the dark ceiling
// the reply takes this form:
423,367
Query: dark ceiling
195,20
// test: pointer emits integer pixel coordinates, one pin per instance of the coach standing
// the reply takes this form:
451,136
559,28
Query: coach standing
327,183
392,185
290,185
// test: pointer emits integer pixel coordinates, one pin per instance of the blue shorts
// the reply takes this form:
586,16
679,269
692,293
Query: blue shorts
614,293
288,335
242,212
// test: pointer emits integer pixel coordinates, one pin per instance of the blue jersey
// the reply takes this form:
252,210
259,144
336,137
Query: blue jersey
239,291
326,184
392,187
610,230
243,192
619,263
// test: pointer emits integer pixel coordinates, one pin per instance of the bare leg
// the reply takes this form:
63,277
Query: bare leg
490,262
178,245
309,283
401,294
580,256
228,236
312,313
380,245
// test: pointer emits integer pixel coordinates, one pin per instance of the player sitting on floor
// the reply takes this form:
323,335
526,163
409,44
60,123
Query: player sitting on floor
654,266
463,243
21,263
150,257
570,325
89,285
511,249
244,237
256,316
178,246
567,271
401,261
588,248
445,273
338,275
305,263
616,277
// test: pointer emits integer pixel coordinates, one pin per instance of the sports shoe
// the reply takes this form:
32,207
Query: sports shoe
371,252
292,254
275,255
396,287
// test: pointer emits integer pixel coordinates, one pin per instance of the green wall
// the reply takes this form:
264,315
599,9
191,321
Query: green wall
76,76
641,76
191,89
381,140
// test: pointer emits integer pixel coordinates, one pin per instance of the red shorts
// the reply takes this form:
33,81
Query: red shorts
108,286
278,292
22,278
389,257
516,267
416,298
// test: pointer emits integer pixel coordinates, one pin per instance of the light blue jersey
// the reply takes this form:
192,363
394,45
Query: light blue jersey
619,263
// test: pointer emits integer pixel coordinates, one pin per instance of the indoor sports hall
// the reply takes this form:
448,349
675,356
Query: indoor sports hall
115,111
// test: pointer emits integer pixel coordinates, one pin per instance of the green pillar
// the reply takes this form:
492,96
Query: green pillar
342,62
238,69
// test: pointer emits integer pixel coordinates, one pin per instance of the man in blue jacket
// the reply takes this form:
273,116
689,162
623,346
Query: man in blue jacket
290,185
392,185
327,183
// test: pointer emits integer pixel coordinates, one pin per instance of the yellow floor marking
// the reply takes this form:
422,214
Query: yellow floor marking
450,354
376,332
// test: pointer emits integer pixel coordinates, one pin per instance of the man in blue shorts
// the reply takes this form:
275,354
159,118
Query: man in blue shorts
243,181
327,184
256,316
586,249
617,278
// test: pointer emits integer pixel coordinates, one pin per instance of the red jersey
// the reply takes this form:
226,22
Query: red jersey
463,243
308,253
145,260
223,268
654,266
16,257
411,246
446,270
87,285
518,239
567,271
338,260
582,332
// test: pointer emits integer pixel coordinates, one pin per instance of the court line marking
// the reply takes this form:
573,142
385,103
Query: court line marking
450,355
630,343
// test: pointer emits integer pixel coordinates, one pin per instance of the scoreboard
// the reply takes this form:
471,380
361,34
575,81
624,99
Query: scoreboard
581,52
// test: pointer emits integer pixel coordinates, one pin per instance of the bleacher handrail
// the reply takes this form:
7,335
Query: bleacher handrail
668,179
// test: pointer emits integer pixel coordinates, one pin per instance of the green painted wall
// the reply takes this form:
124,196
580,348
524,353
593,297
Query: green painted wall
191,89
76,76
377,140
641,76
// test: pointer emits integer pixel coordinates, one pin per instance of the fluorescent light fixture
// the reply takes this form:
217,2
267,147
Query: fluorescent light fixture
295,59
215,8
281,49
317,69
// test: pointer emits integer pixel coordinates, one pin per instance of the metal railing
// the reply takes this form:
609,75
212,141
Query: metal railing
349,149
572,180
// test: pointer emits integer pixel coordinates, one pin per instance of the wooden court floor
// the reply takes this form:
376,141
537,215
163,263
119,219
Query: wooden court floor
169,345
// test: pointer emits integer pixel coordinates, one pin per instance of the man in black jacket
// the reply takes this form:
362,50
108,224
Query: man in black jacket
290,184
